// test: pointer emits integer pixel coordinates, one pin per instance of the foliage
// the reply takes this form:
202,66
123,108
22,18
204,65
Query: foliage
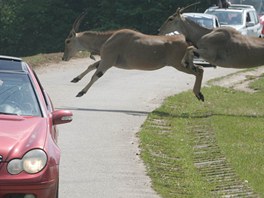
36,26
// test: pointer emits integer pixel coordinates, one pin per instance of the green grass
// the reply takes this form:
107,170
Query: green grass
236,123
258,85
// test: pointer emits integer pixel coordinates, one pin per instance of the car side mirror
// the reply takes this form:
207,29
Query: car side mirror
61,117
250,24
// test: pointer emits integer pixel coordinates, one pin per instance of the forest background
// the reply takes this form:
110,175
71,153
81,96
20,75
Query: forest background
29,27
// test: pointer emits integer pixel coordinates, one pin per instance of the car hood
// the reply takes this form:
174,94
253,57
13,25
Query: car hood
237,27
20,134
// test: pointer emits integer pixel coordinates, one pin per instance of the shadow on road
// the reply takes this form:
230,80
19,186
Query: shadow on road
129,112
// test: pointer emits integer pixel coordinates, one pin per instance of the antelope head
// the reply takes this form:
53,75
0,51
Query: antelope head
174,22
72,45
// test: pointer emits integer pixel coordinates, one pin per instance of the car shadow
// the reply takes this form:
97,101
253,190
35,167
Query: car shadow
128,112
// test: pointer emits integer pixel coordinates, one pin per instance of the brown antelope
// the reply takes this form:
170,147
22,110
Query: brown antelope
128,49
222,46
90,41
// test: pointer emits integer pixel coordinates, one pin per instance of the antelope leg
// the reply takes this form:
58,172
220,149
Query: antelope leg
98,74
198,73
198,82
90,68
187,60
196,70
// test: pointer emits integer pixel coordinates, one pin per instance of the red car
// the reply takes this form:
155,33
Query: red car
29,154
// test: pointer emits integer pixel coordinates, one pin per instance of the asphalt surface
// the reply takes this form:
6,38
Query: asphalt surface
100,154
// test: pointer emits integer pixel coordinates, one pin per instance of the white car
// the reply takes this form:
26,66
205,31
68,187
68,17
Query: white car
243,18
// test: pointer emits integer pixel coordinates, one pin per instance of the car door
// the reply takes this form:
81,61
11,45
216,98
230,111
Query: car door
252,24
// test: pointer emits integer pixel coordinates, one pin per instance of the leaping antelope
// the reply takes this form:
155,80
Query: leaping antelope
224,46
128,49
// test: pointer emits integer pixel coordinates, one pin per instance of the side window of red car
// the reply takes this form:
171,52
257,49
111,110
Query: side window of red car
46,97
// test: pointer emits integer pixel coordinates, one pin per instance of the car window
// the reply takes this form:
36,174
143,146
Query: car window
248,19
235,18
45,95
17,95
253,17
203,21
208,23
228,18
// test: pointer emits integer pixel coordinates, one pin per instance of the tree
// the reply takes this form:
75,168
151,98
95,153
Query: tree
40,26
33,26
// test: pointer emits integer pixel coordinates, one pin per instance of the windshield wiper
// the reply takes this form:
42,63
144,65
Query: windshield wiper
5,113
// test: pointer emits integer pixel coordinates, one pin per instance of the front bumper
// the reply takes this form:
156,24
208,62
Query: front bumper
41,185
44,190
202,62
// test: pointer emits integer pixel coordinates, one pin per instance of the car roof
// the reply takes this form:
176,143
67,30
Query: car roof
12,64
233,7
198,15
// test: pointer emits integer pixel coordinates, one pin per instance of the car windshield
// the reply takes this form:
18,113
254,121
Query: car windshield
17,96
203,21
228,18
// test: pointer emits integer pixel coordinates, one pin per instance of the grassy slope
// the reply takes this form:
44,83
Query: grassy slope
169,138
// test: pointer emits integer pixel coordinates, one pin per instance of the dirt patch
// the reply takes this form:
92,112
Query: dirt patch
241,80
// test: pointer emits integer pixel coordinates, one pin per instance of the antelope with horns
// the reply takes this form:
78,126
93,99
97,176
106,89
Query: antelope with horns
90,41
224,46
128,49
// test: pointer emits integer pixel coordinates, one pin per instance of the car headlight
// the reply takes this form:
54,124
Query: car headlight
32,162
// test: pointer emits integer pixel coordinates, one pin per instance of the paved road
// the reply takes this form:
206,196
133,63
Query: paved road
99,148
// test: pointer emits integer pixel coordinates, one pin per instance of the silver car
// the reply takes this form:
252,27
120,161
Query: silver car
243,18
206,20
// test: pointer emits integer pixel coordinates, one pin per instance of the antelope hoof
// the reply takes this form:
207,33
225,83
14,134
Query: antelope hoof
200,96
75,80
80,94
92,57
194,69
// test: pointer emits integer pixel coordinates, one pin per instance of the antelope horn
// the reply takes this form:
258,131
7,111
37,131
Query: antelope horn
178,12
77,22
181,10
